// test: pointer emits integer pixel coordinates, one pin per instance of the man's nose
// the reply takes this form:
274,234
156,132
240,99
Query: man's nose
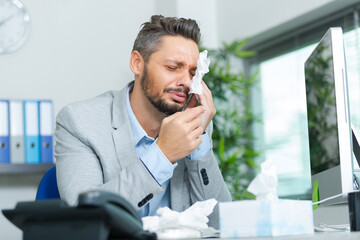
185,79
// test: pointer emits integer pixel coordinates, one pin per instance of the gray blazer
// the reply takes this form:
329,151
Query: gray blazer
95,150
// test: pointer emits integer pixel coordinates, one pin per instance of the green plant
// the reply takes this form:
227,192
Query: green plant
233,136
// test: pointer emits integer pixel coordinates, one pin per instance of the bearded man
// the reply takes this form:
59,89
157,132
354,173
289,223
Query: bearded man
139,142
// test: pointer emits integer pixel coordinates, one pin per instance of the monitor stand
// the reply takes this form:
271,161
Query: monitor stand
356,151
338,214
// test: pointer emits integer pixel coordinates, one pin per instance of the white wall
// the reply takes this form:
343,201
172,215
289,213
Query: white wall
205,12
242,19
76,50
80,48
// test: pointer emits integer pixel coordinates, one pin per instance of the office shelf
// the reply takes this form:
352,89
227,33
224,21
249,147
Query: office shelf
18,169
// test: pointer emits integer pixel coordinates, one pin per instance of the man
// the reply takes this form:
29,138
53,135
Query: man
138,142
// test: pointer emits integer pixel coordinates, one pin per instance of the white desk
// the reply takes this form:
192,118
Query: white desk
316,236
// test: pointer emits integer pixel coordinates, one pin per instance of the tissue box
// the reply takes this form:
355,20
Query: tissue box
265,218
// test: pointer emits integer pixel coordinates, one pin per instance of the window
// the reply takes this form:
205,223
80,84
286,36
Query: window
279,100
352,51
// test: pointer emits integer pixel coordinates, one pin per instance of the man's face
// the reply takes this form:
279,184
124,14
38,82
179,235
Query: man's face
166,77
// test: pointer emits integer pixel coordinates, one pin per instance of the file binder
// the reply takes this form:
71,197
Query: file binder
31,129
17,145
4,132
46,130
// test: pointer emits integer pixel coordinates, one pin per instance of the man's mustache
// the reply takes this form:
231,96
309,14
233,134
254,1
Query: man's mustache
177,90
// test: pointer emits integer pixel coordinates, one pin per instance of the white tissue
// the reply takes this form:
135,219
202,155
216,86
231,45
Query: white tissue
265,183
202,68
188,223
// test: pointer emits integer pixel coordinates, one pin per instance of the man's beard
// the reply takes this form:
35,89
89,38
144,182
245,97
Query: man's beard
155,98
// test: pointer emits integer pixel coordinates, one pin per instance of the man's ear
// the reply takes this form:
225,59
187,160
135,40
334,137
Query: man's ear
136,63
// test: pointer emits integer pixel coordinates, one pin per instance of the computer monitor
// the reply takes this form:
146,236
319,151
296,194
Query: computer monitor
328,115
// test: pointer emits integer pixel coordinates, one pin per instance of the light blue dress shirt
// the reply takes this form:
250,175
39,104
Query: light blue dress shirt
156,162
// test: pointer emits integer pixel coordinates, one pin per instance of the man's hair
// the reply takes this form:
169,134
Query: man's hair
149,38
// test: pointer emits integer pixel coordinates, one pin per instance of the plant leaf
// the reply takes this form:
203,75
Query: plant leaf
245,54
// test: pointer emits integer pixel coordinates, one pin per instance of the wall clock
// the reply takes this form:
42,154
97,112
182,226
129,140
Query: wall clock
14,25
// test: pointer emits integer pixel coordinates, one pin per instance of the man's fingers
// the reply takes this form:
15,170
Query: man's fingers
191,118
175,115
198,141
194,124
192,113
196,132
206,96
205,87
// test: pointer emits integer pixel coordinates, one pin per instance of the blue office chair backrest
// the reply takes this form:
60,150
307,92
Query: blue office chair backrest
48,188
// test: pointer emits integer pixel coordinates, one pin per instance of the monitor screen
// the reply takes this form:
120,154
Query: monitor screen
321,106
328,117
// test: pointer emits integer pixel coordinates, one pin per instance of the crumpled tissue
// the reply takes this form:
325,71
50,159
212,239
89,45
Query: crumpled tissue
264,185
202,68
190,223
267,216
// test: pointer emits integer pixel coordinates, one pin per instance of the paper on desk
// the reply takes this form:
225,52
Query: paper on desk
202,68
187,224
265,183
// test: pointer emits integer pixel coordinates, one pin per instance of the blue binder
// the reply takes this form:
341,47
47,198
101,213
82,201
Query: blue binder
31,128
46,116
4,132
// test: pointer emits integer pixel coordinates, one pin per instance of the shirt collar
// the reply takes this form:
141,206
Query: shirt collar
137,130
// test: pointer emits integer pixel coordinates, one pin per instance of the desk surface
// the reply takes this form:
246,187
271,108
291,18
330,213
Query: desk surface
316,236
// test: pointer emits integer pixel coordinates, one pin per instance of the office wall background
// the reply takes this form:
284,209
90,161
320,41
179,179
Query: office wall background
78,49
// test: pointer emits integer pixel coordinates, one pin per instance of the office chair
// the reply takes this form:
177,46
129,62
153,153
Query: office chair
48,188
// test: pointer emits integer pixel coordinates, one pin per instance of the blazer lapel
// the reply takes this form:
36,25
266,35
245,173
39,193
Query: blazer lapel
122,135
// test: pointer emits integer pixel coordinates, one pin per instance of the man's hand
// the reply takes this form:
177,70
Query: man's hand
180,133
206,101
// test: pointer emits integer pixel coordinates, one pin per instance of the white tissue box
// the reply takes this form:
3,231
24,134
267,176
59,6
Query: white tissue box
265,218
